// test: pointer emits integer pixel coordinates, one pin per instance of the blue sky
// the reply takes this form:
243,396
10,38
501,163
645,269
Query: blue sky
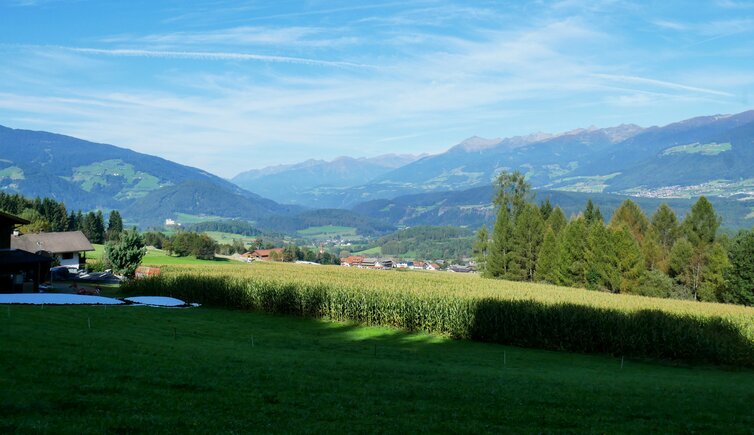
229,86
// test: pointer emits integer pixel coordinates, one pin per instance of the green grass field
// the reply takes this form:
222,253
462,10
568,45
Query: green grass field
327,231
157,257
152,370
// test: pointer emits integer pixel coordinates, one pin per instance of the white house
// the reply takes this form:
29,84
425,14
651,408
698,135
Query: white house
67,247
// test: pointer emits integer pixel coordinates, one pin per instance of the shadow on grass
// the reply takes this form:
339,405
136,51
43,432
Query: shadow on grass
580,328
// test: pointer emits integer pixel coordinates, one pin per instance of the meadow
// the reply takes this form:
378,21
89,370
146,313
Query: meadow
83,370
468,307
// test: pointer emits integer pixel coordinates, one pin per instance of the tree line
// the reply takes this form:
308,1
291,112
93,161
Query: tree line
658,256
48,215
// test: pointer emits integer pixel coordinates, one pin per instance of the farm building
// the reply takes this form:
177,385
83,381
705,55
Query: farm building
20,271
68,248
264,254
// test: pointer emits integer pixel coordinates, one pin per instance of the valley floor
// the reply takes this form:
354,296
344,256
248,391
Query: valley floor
140,369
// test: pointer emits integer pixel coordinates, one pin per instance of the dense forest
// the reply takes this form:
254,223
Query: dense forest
428,242
658,256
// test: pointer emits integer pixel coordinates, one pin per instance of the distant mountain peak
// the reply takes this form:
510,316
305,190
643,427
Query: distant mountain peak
476,143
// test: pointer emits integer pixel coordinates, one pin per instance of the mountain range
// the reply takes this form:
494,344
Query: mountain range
710,155
299,183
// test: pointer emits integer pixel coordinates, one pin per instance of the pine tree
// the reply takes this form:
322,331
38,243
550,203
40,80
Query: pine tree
716,265
80,221
629,214
665,223
547,260
114,225
592,214
499,259
126,254
701,224
630,259
655,255
528,232
481,248
545,208
740,276
557,220
572,267
602,260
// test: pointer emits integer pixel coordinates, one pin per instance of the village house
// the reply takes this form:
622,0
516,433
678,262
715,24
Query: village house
68,248
351,261
20,271
264,254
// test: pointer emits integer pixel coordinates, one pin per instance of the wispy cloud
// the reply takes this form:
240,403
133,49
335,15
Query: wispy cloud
210,55
662,84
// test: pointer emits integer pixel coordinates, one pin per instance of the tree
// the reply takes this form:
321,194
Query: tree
557,220
716,265
740,276
481,248
37,222
545,208
114,225
592,214
630,259
547,260
629,214
527,235
701,224
665,223
654,253
602,260
572,267
498,263
126,254
512,192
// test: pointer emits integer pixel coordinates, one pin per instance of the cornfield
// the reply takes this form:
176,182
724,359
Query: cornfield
468,307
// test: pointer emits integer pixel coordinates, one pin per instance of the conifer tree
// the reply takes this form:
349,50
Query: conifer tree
701,224
592,214
498,263
740,276
126,254
114,225
548,258
665,223
630,259
572,267
557,220
655,256
528,232
602,260
545,208
481,248
629,214
716,265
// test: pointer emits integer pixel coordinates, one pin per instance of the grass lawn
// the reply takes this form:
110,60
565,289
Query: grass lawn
371,251
157,257
141,369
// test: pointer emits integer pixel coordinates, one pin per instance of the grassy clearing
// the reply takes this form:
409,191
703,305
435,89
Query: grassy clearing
468,307
158,257
327,229
140,369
